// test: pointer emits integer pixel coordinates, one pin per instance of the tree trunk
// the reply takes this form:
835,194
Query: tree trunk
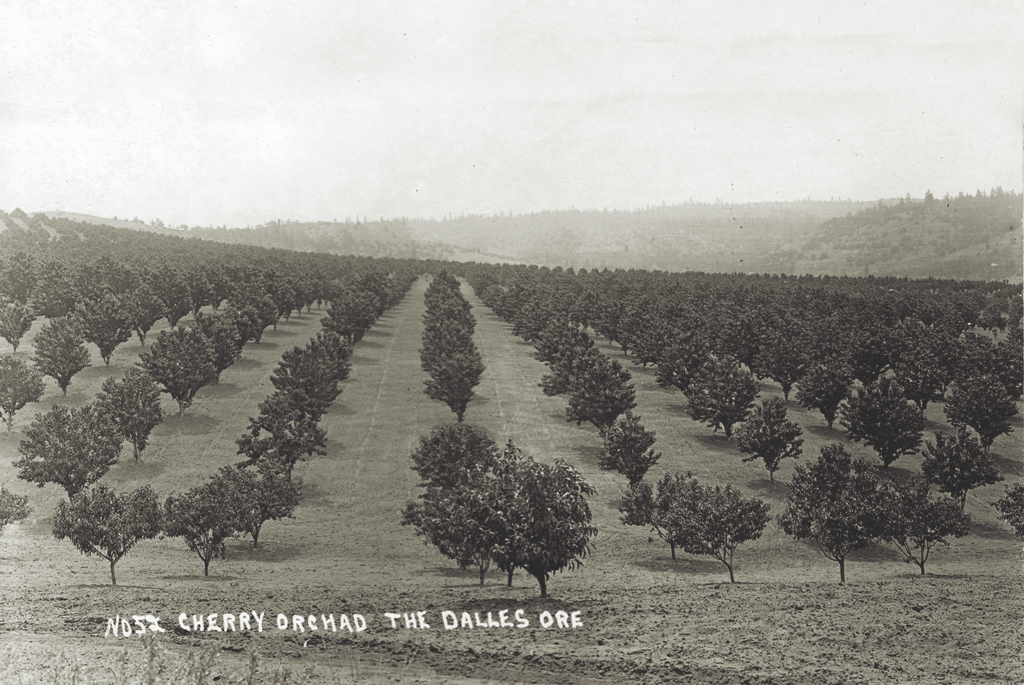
510,572
672,546
732,579
113,579
256,535
181,408
842,570
206,565
543,585
136,450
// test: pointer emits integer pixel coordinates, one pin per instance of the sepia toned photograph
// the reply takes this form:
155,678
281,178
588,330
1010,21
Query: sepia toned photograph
472,343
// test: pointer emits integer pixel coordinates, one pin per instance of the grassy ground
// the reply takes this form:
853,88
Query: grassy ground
645,617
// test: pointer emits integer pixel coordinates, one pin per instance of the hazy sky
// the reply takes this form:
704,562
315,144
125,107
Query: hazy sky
206,112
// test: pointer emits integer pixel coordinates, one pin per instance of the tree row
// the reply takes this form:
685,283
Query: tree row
449,356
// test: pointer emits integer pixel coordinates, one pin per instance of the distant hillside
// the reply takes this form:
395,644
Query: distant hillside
385,238
695,236
966,237
963,237
707,237
134,224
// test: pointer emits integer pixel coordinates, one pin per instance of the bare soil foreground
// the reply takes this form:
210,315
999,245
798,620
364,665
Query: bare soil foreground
645,618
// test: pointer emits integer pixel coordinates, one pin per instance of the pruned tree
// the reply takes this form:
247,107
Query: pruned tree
715,521
650,338
200,292
465,521
19,385
547,515
220,285
1009,362
252,310
824,387
573,357
132,403
285,297
919,369
310,376
833,502
641,506
681,358
223,335
601,391
881,416
460,512
452,379
450,453
255,497
721,393
106,323
869,347
914,522
60,350
70,447
145,310
457,512
448,354
783,358
181,361
171,286
557,336
975,356
628,449
768,435
958,465
18,275
15,321
351,314
1011,508
280,436
54,294
99,521
983,404
13,508
202,519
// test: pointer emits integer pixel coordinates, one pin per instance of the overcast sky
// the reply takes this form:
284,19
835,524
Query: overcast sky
205,112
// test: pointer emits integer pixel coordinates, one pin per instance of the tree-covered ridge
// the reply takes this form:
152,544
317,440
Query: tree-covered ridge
715,236
377,238
967,236
706,236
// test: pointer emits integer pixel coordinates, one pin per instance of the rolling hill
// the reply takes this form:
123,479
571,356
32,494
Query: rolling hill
966,237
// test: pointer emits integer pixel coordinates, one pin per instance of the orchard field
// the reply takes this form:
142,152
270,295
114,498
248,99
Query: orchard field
645,617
